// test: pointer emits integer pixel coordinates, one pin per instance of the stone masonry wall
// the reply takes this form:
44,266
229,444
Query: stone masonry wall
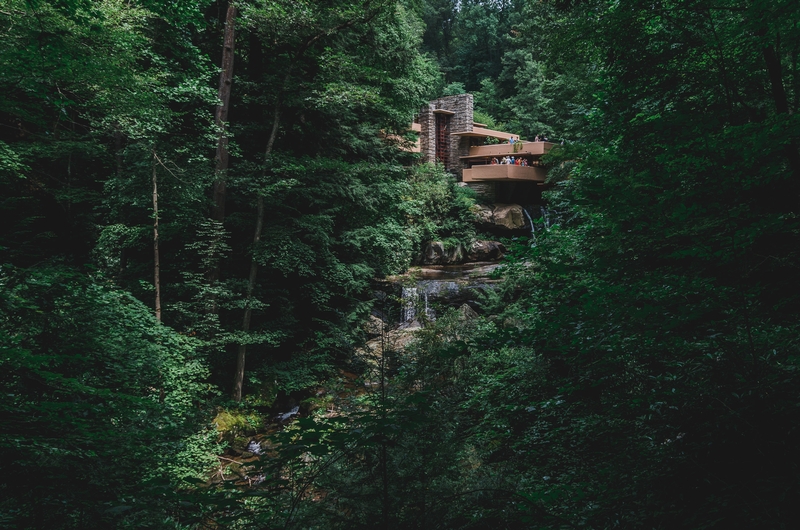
463,106
486,190
427,134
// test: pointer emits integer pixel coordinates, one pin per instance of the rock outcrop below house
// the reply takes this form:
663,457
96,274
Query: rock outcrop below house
505,217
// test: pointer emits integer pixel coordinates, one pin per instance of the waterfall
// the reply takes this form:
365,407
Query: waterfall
409,304
255,448
546,217
533,228
448,287
286,415
413,298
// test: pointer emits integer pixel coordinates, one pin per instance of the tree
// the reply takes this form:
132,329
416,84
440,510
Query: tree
661,308
346,71
100,417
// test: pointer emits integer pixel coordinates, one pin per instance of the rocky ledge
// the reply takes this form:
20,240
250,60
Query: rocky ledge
502,217
435,253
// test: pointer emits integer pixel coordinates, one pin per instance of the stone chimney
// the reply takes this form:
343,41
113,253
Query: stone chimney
438,120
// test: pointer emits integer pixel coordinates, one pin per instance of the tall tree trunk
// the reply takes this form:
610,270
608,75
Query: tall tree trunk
221,114
384,463
776,79
221,158
156,257
238,379
123,254
773,65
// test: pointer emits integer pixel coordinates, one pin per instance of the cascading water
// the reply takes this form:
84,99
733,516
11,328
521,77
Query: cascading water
414,300
409,299
533,227
286,415
255,447
545,217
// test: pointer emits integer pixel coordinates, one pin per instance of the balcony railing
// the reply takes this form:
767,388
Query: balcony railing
503,172
533,149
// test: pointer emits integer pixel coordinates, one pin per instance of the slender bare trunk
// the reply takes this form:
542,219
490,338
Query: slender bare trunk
156,258
384,441
118,151
776,79
775,74
221,114
248,312
221,158
238,379
123,255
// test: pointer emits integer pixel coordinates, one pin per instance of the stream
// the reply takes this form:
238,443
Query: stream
427,289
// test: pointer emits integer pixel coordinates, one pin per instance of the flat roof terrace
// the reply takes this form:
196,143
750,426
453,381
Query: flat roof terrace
483,132
531,149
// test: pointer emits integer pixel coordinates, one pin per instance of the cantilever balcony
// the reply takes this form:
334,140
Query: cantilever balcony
523,149
482,170
485,172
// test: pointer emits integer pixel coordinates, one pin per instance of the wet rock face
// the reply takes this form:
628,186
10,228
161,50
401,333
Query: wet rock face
486,251
509,216
501,216
435,253
414,298
421,302
483,214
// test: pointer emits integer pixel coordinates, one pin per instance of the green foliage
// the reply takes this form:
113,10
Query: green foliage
636,368
489,121
90,87
99,399
655,332
438,208
454,89
231,423
101,98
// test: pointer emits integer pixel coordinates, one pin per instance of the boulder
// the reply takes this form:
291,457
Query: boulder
510,216
486,251
467,313
435,253
501,216
483,214
374,326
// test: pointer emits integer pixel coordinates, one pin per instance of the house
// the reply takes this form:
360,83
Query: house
448,134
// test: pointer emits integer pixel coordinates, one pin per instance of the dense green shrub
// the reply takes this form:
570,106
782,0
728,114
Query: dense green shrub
100,404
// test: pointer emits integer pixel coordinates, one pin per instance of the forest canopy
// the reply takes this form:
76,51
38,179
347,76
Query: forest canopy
202,198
